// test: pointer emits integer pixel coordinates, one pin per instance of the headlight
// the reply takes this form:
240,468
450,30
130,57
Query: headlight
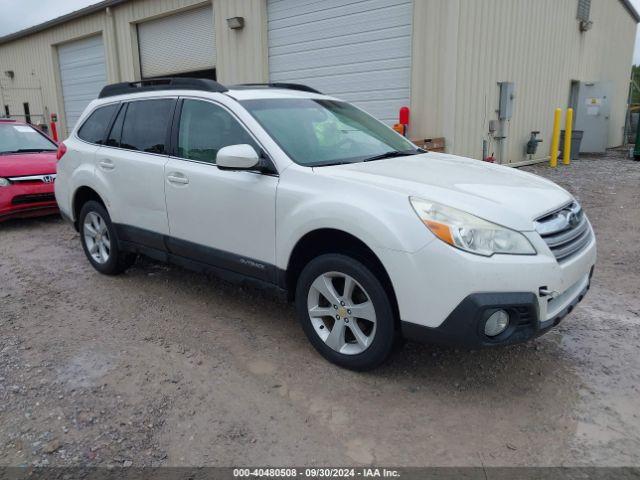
468,232
4,182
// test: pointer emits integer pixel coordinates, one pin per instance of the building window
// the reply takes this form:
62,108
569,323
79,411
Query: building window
584,9
27,113
6,111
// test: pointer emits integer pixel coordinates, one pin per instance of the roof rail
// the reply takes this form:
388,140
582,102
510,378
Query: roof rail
169,83
288,86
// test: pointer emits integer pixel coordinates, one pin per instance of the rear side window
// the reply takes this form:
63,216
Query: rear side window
94,129
205,128
145,125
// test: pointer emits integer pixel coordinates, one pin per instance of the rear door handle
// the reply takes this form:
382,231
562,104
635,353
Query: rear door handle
106,164
177,178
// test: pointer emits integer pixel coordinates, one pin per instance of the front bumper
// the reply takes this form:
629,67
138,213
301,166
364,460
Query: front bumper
438,284
27,200
464,327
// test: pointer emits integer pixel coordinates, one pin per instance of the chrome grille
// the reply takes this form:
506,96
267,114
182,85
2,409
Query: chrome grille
566,231
47,178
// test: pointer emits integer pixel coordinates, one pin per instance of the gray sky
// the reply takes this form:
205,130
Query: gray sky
19,14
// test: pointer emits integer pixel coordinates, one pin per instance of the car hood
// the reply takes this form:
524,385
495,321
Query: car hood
503,195
23,164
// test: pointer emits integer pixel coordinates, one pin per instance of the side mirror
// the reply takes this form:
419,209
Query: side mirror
237,157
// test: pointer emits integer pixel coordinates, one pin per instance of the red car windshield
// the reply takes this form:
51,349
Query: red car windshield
16,138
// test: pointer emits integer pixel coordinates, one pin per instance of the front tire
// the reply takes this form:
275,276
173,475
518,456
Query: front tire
99,240
345,312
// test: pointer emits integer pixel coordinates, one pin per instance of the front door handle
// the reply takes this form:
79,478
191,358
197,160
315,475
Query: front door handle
106,164
177,178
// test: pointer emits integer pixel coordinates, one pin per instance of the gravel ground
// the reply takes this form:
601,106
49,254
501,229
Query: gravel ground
161,366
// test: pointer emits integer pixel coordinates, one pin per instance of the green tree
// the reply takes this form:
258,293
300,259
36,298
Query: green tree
635,89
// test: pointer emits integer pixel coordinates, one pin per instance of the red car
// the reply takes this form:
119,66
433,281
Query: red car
27,171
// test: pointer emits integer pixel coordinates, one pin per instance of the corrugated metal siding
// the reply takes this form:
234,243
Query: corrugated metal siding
461,49
524,56
240,55
128,15
536,45
433,73
356,50
244,56
82,74
165,49
35,63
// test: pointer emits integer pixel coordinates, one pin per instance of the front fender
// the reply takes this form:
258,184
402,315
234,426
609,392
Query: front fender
380,219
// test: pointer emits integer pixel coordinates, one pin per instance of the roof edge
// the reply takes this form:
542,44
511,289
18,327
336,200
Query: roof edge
631,9
96,7
112,3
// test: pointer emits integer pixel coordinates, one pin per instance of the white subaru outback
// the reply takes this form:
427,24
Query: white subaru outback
278,185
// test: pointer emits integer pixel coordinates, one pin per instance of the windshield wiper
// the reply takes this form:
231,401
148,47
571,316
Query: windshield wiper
331,164
392,154
29,150
382,156
32,150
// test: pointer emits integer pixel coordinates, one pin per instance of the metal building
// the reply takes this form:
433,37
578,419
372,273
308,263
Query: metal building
470,70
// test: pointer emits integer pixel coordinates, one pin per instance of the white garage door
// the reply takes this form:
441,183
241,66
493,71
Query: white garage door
184,42
359,51
82,73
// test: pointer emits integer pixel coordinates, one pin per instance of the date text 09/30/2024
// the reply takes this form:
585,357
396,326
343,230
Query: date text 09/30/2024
316,472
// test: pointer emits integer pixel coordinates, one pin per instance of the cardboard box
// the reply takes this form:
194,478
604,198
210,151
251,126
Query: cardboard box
431,144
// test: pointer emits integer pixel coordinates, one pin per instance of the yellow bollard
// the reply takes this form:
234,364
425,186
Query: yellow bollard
568,131
555,139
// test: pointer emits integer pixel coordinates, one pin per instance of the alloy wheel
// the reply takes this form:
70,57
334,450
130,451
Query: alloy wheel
342,313
96,237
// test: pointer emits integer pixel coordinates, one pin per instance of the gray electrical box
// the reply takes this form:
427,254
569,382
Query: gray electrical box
507,96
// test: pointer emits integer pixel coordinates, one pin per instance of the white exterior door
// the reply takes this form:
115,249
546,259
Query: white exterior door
358,51
592,116
184,42
219,217
82,74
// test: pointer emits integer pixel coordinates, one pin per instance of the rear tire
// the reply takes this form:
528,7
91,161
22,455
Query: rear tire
99,240
345,312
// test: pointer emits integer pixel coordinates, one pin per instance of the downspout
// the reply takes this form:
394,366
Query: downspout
449,58
111,26
2,114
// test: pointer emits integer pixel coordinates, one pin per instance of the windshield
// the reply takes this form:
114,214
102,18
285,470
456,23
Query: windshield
16,138
326,132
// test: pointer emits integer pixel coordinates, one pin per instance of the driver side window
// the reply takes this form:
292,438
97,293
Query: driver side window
205,128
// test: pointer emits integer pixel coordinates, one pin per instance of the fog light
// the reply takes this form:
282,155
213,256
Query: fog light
496,323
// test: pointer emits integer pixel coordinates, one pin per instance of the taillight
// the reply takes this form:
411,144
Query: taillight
62,149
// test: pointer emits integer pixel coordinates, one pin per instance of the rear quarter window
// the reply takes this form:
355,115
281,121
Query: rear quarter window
94,129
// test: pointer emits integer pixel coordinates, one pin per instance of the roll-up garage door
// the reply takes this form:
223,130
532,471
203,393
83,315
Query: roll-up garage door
82,74
359,51
180,43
